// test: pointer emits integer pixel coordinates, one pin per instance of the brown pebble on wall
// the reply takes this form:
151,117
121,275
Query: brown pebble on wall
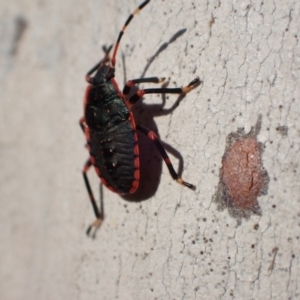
242,176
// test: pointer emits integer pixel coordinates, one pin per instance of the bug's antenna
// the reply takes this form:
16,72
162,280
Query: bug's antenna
113,60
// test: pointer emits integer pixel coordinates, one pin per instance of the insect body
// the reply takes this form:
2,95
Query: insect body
110,129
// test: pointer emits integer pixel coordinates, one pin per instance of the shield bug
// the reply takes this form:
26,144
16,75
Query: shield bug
110,130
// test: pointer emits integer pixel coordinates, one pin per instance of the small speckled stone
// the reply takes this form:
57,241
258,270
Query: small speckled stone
242,176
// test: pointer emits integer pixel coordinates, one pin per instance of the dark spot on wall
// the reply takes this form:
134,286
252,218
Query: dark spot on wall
242,176
283,130
20,28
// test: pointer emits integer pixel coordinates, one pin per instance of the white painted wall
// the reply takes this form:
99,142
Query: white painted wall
175,244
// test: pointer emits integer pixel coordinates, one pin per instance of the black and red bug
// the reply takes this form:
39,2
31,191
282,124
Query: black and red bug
110,128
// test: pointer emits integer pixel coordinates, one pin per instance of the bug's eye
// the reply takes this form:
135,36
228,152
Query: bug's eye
110,74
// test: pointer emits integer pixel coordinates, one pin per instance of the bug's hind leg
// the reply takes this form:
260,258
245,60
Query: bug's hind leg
153,137
98,213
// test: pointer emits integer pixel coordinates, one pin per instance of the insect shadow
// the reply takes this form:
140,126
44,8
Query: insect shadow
150,159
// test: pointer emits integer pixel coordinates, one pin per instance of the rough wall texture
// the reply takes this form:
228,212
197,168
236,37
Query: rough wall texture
175,244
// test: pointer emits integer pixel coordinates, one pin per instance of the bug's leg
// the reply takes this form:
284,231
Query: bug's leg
102,61
186,89
153,137
82,124
99,215
130,83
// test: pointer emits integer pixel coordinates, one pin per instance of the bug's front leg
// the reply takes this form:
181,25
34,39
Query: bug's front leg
102,61
184,90
130,83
